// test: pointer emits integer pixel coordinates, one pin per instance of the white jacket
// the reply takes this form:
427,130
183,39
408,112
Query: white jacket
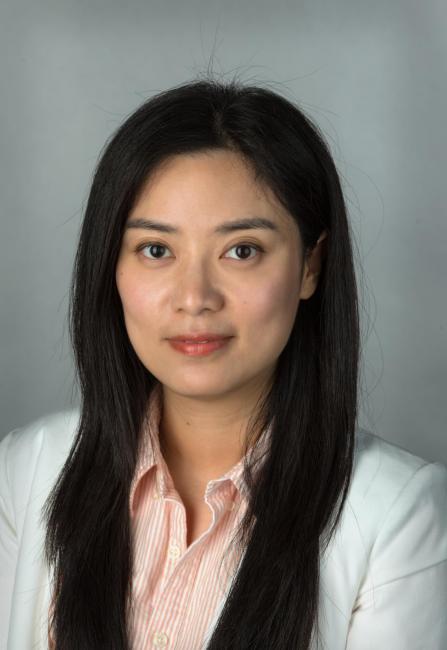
383,577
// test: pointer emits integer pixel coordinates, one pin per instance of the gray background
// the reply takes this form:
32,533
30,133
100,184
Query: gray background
372,75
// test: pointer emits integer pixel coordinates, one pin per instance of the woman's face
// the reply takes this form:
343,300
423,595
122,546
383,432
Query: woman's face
197,279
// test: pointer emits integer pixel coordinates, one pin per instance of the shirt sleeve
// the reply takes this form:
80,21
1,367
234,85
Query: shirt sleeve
8,543
402,604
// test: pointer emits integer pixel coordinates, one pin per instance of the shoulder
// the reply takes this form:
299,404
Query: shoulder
393,526
398,504
383,469
384,473
58,426
50,434
31,456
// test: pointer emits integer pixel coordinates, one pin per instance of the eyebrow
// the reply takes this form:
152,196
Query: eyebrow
252,223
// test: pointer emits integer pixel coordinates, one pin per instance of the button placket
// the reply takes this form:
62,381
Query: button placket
174,551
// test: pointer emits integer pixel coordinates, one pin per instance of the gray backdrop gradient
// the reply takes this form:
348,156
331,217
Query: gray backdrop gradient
372,75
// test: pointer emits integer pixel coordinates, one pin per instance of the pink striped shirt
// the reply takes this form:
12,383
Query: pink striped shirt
178,591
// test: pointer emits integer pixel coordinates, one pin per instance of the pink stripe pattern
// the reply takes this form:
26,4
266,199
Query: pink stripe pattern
178,588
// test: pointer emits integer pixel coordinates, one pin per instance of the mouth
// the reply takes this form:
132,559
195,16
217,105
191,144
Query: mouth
199,348
204,340
202,337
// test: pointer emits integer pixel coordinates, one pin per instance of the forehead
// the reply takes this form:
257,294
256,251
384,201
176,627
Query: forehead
214,185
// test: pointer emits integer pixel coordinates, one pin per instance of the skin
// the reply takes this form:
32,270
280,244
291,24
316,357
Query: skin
202,281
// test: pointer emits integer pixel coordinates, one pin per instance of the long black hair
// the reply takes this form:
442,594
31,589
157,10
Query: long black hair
297,499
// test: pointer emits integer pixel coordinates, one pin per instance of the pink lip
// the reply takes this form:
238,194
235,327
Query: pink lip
198,349
202,336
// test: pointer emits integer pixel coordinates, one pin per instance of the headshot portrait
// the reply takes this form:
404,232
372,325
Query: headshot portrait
224,352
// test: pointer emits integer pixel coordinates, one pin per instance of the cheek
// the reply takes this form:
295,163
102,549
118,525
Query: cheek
136,298
270,311
270,314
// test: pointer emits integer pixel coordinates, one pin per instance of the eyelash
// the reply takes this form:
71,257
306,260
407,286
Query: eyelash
154,243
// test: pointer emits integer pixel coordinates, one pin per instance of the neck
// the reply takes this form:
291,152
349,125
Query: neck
204,435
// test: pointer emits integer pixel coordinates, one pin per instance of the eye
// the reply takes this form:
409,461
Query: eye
151,245
154,246
246,245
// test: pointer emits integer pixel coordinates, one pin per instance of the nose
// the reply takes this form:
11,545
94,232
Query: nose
195,290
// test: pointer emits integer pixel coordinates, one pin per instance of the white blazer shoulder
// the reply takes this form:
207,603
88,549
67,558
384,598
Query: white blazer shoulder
383,575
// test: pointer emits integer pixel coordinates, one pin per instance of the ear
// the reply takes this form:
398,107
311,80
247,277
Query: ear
312,267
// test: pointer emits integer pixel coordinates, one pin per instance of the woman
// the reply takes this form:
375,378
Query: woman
218,494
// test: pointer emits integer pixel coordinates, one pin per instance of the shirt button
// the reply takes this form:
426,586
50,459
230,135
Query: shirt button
174,551
160,639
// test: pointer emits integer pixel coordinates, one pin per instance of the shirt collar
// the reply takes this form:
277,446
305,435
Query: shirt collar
151,457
